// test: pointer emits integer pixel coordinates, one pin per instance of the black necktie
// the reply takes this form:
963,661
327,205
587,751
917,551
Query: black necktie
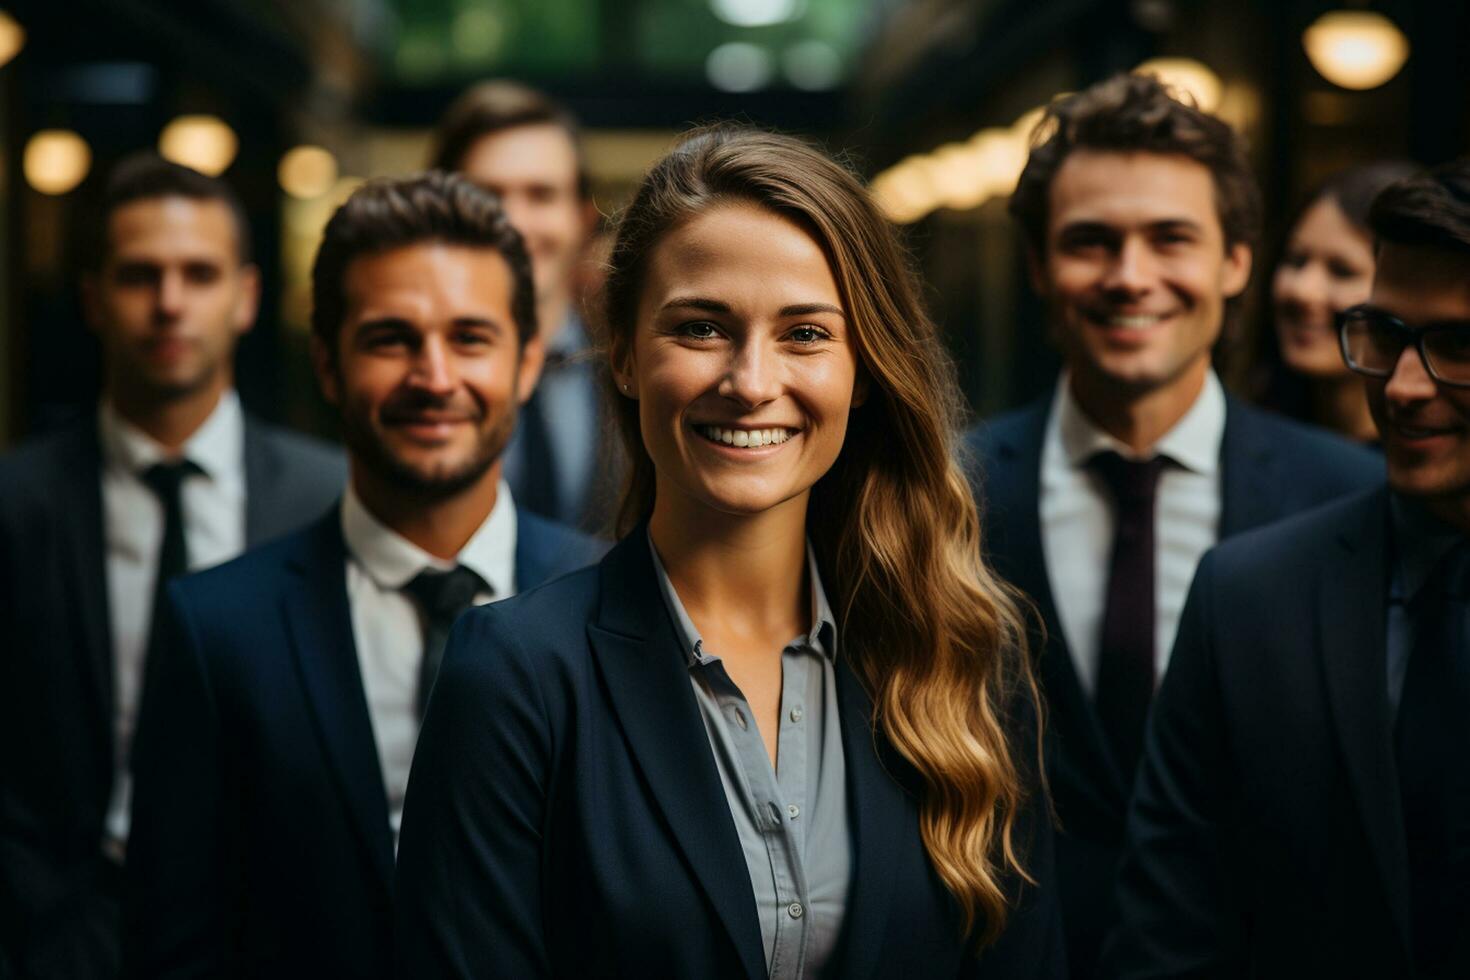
167,480
1125,670
442,596
1433,748
539,494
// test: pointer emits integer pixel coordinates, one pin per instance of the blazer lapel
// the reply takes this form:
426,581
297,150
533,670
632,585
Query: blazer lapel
1249,491
320,623
876,807
1351,615
1013,522
637,652
533,553
80,490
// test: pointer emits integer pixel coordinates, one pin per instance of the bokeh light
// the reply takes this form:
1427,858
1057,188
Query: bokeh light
206,143
1355,49
12,37
306,172
56,160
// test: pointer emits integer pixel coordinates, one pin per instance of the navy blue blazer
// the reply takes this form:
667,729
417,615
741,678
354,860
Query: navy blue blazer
1270,467
565,817
260,842
56,675
1266,837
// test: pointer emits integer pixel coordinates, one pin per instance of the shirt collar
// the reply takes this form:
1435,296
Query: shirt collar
392,561
822,636
1193,442
217,447
1420,540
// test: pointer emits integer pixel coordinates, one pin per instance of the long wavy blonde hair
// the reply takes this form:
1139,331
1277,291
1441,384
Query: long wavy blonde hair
936,639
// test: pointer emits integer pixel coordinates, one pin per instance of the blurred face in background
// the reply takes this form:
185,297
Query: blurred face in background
1425,425
1136,271
1327,268
428,372
534,171
743,363
171,298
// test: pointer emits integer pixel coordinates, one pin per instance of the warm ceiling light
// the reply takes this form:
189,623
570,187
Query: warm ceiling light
1000,156
205,143
756,13
307,172
56,160
12,37
1356,49
905,191
1186,75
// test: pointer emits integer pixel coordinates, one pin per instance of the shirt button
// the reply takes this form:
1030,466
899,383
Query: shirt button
795,910
796,713
794,810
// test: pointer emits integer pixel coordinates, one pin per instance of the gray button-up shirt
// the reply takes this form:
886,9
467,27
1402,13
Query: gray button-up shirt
792,820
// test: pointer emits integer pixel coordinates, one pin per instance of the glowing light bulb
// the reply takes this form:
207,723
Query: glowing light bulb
307,172
12,37
1186,75
206,143
1355,49
56,160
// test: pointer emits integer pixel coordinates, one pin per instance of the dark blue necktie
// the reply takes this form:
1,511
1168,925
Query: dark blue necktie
442,596
166,480
1125,669
1433,748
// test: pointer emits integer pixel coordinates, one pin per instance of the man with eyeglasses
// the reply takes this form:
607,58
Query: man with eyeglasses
1303,805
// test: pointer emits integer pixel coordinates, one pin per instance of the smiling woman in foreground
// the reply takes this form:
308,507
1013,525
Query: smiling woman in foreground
786,728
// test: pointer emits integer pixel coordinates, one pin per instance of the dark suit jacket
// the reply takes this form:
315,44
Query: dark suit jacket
1266,837
565,817
1270,468
260,843
56,683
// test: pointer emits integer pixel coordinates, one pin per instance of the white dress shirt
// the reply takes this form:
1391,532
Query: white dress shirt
213,503
1078,517
388,628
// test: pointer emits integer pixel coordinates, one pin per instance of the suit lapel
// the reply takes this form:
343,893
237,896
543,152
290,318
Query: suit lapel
1249,490
1352,620
637,652
876,807
1013,522
81,492
320,624
262,472
533,552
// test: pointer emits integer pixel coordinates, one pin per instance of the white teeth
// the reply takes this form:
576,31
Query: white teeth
1133,322
745,438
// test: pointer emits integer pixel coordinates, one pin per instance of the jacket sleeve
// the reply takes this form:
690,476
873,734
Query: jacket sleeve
1032,945
1176,919
178,901
468,891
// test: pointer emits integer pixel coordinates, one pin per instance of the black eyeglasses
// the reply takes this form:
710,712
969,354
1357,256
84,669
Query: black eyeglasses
1373,341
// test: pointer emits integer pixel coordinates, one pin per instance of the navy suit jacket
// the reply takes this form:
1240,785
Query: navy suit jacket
1266,837
1270,468
56,674
565,817
260,843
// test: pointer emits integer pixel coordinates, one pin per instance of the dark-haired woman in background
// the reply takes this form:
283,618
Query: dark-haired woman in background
1326,267
787,727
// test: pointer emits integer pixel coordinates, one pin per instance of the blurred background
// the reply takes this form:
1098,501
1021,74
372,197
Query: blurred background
296,101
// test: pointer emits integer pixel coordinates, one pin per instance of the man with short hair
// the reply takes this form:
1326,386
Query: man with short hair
277,729
168,475
1303,806
526,148
1140,216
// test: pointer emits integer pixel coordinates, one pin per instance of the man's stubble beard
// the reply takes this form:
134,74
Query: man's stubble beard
363,442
